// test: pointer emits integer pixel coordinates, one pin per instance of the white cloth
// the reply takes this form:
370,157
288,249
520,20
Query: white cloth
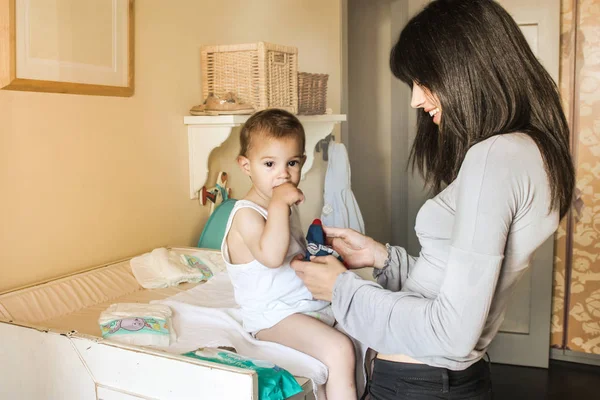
340,208
138,324
200,324
163,268
268,295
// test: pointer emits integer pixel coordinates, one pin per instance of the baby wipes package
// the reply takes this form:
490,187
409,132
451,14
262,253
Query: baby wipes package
274,383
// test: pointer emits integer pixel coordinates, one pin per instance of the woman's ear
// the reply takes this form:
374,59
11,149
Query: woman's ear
244,164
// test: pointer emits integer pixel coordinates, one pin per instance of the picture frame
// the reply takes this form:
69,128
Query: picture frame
68,46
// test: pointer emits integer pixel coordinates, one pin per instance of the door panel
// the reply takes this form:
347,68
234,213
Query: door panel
524,337
518,313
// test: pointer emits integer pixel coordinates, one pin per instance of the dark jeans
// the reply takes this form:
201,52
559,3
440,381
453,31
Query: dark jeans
397,381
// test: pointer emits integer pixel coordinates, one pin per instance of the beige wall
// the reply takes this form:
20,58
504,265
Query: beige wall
86,180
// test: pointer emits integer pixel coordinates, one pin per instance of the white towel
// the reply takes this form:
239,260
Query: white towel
163,268
138,324
208,316
340,208
200,324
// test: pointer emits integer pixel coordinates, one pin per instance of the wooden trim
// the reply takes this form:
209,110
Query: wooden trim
7,42
34,85
8,65
131,49
573,123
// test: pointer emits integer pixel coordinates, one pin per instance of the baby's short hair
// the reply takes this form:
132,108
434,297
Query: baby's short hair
273,123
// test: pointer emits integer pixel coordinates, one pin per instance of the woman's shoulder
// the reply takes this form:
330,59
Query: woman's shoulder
508,144
511,152
506,172
512,162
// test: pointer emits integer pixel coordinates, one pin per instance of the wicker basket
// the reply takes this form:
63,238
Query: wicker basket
312,93
262,74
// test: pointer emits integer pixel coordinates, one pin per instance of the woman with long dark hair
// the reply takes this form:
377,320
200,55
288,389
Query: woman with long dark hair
493,143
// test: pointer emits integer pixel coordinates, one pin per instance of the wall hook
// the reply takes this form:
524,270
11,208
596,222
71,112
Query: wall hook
323,146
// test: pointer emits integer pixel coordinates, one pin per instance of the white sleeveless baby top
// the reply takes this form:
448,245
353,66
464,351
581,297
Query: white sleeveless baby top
268,295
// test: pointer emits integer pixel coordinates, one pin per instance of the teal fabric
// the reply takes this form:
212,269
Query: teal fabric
274,383
214,230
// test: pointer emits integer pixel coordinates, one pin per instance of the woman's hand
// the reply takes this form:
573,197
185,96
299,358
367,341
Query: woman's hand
357,250
319,275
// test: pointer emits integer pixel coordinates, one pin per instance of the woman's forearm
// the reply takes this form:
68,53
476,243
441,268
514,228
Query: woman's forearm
396,322
397,265
380,254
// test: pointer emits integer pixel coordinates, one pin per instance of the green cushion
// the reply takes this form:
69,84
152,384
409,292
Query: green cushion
214,230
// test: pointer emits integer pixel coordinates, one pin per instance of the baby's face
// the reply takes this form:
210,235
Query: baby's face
273,162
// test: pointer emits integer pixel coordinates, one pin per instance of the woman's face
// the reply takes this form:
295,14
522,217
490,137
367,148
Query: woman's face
429,102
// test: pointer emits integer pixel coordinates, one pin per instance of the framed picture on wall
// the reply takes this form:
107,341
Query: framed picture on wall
67,46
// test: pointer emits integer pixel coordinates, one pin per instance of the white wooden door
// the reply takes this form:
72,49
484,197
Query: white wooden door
524,337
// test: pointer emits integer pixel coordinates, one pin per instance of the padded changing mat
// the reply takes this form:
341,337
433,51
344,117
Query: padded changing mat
74,303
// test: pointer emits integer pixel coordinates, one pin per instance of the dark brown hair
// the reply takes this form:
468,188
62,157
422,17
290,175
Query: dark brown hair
473,56
274,123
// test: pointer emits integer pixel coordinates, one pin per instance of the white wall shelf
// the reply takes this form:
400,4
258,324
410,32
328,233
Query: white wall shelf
207,133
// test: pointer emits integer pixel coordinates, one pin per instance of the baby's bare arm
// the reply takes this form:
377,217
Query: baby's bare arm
267,241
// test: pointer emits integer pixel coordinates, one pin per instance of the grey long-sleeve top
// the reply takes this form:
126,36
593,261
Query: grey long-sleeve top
477,238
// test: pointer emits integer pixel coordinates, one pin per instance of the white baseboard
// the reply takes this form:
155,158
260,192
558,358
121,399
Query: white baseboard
574,356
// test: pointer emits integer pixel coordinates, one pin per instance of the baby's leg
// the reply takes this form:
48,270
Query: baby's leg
332,348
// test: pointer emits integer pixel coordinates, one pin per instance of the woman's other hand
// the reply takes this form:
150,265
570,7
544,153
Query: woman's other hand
357,250
319,274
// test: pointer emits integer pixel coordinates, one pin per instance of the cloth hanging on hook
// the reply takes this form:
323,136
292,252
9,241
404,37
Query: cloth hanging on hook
340,208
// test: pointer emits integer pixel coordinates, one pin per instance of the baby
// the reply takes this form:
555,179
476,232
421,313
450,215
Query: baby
263,235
